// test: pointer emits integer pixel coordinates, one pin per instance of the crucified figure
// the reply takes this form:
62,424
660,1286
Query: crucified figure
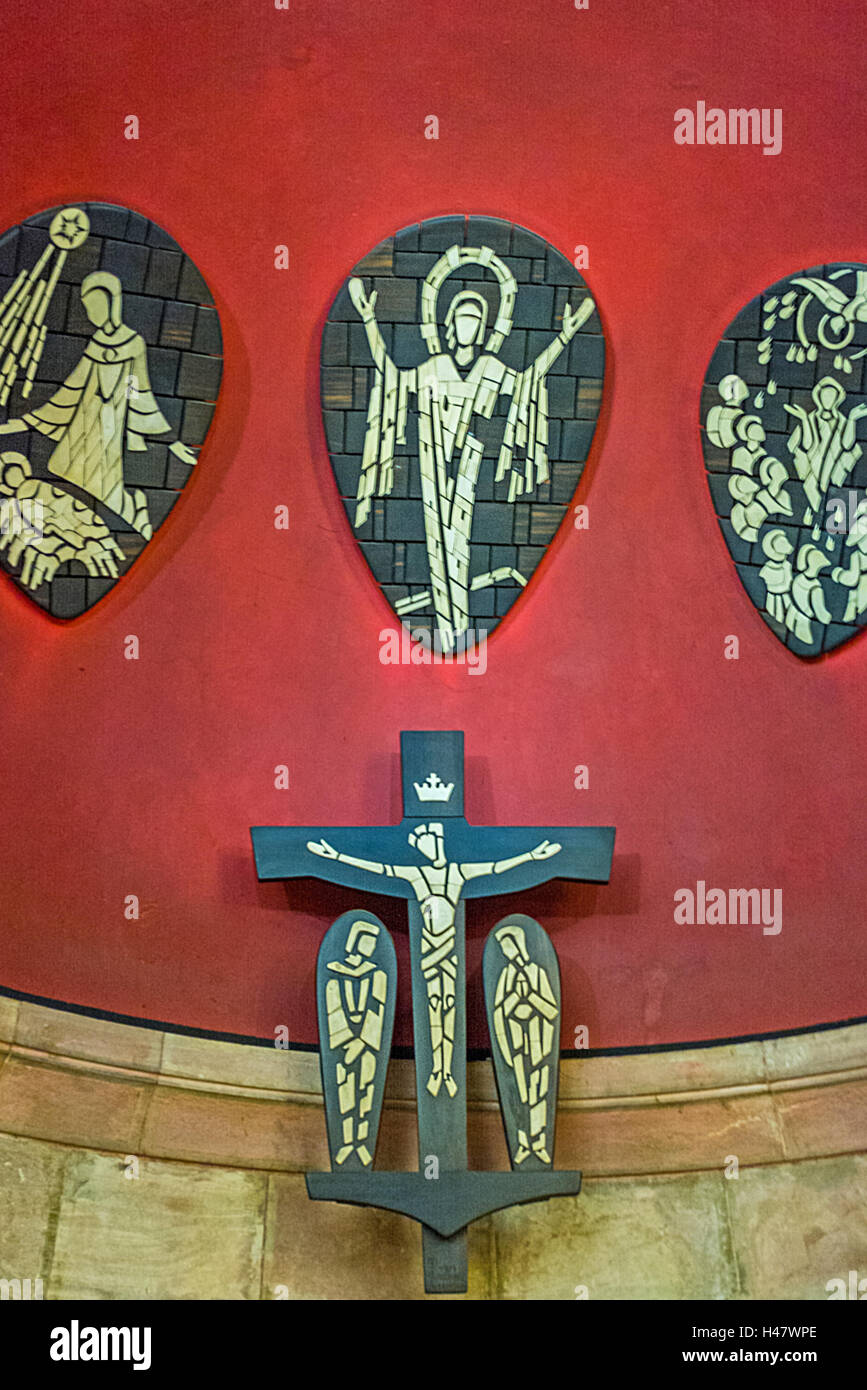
437,887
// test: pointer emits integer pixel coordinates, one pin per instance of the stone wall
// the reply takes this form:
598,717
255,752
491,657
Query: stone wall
142,1164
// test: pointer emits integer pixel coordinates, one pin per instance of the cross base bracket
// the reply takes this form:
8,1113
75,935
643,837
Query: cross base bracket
446,1204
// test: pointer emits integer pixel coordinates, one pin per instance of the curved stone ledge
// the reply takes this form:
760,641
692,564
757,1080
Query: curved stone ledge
96,1225
141,1164
71,1079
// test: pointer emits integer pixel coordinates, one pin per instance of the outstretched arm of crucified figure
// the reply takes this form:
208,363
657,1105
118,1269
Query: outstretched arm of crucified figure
572,321
501,866
366,306
371,866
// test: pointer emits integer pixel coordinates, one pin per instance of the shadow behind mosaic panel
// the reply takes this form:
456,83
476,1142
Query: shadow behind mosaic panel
513,535
790,375
167,302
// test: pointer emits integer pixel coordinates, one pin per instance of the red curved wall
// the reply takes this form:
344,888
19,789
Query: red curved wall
260,647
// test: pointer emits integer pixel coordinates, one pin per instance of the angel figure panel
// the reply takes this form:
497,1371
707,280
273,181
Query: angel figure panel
110,363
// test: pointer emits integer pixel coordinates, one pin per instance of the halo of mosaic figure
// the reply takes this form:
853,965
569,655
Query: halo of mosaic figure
783,409
462,366
110,360
435,861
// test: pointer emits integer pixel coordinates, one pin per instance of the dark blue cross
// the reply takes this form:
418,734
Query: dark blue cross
436,860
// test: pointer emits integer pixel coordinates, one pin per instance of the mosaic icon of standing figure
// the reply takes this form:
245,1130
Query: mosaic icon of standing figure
104,403
355,999
452,387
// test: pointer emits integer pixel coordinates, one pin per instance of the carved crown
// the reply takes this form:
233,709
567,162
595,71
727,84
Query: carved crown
433,789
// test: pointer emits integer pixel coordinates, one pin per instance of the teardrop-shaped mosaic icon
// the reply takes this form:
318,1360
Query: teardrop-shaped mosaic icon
784,425
110,363
462,368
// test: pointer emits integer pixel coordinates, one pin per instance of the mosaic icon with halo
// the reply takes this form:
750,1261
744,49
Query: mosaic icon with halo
110,365
462,366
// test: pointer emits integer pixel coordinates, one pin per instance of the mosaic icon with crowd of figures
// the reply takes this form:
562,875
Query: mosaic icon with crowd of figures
782,432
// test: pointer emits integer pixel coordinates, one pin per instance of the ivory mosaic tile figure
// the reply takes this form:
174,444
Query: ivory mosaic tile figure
437,887
453,386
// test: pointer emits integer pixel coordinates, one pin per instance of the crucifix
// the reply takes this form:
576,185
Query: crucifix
435,860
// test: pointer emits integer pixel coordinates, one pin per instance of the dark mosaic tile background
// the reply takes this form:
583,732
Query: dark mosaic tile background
737,353
166,300
515,534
